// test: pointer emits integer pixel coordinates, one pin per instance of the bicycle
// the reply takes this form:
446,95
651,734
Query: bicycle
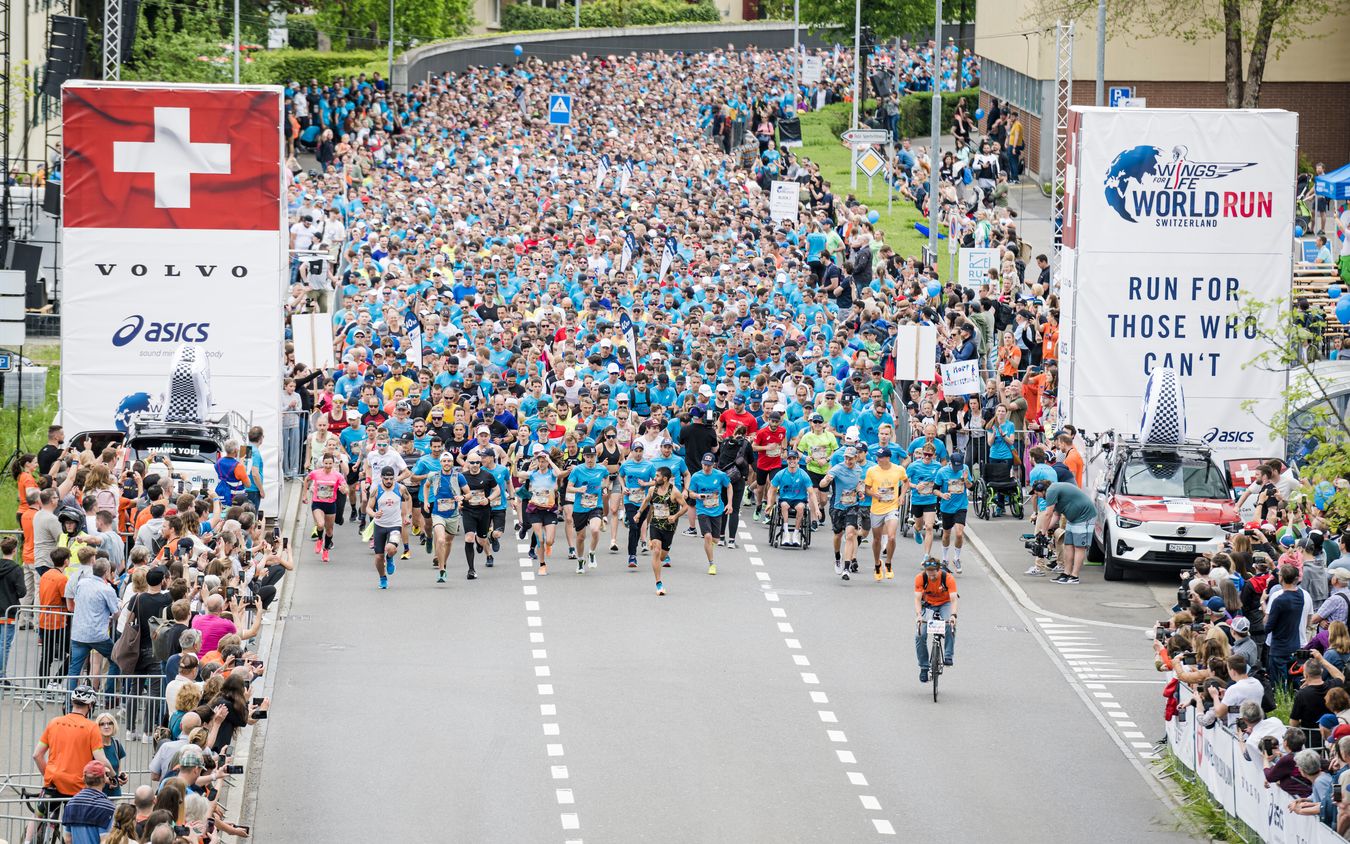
46,811
937,631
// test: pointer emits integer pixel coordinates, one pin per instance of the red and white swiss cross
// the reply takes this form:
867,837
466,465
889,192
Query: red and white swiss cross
171,158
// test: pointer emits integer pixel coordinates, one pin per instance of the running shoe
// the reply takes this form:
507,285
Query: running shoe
923,675
712,568
324,555
406,554
490,560
815,525
581,567
665,564
543,570
533,556
571,553
948,662
838,568
918,537
632,562
521,530
876,572
496,545
1070,581
1063,578
660,588
613,547
389,567
690,532
590,559
644,548
440,576
956,565
1034,572
384,583
416,531
890,573
845,575
731,543
721,543
853,566
318,545
472,575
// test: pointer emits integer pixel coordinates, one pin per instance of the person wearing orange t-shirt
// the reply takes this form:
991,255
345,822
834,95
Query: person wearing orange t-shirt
1072,459
1033,387
53,621
68,744
1050,338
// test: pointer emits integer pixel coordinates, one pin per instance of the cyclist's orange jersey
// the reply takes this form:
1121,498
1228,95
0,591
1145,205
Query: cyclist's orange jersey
937,590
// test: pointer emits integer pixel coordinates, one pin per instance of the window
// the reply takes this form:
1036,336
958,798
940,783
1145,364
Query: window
1004,83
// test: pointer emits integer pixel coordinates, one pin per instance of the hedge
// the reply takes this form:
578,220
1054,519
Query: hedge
277,67
301,34
916,111
519,17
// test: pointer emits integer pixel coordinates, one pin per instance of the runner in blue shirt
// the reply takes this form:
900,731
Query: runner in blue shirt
788,489
443,491
710,487
499,471
955,480
923,481
635,478
848,510
586,485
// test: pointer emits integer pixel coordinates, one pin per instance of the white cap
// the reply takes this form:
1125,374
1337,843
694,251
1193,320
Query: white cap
483,429
705,391
569,374
614,367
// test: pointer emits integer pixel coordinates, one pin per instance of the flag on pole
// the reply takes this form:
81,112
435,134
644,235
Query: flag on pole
626,174
602,170
629,337
667,257
520,97
630,250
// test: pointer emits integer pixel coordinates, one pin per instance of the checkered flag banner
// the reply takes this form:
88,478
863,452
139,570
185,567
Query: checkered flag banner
1164,417
188,395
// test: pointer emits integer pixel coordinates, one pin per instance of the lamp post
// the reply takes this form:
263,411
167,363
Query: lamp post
937,132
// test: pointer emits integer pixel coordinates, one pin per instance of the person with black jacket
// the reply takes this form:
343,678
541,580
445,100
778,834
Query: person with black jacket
12,592
735,457
697,437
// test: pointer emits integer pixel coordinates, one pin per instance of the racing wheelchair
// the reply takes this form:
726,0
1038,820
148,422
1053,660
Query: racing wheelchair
776,525
996,479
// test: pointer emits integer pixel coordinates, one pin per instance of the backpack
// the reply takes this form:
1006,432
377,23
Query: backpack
946,585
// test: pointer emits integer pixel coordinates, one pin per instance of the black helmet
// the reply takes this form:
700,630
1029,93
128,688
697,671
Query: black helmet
71,514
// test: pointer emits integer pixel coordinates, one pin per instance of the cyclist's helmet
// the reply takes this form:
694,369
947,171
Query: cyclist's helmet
1041,485
84,695
931,563
70,514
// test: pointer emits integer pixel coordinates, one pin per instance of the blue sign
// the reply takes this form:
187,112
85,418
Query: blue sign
1309,250
1117,93
560,109
6,363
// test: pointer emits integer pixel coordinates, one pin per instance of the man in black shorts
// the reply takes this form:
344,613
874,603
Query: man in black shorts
482,491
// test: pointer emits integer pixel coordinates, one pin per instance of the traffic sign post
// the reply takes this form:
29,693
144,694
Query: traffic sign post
560,109
865,136
1117,93
6,363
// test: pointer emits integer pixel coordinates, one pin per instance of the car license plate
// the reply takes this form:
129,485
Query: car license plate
1182,547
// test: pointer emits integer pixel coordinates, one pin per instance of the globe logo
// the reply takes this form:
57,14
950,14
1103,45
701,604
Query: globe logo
1132,165
128,407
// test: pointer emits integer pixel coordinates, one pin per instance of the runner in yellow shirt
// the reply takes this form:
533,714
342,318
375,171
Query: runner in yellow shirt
885,483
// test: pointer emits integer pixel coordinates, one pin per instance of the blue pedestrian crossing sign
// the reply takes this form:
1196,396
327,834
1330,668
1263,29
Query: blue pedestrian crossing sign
560,109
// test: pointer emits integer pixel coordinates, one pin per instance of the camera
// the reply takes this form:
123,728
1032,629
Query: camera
1303,653
1038,545
1161,634
1269,745
1336,792
1187,657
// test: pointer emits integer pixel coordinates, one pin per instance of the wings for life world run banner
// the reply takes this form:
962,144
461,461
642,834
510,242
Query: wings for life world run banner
174,233
1173,217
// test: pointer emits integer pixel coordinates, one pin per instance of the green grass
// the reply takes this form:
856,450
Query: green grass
822,146
1284,701
33,434
1201,810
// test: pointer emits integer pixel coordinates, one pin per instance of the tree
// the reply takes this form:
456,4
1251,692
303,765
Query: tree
1308,421
887,18
1258,29
366,22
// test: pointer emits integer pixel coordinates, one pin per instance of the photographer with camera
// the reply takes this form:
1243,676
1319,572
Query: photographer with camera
1079,514
1244,688
1281,768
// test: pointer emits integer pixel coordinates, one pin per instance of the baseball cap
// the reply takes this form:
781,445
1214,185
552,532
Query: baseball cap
387,472
708,460
155,576
190,758
816,417
95,768
1328,721
957,458
1216,604
1241,625
588,451
637,446
614,368
402,405
483,429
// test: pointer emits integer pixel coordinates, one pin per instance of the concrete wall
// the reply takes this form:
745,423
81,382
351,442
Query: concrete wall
419,63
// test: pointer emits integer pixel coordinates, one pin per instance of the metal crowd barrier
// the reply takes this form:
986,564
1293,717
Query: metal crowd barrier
41,643
294,432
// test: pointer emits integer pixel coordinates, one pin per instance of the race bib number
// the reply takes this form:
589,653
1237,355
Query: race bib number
324,491
886,493
589,500
773,450
818,453
542,499
956,487
660,510
925,487
445,503
937,627
848,499
711,499
478,498
635,496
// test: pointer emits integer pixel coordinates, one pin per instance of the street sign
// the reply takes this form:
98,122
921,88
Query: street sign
6,363
1133,102
865,136
560,109
870,163
1117,93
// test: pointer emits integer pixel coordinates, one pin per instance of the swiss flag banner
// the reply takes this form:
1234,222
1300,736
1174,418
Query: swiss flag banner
150,157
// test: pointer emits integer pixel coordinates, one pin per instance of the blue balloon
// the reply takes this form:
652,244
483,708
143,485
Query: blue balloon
518,50
1298,231
979,114
934,289
1343,309
873,216
1334,292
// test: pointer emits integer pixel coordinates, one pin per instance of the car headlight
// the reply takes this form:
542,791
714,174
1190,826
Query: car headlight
1231,527
1122,522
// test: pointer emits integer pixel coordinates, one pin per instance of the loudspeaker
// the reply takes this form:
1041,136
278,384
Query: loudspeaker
881,84
131,11
51,198
65,52
26,257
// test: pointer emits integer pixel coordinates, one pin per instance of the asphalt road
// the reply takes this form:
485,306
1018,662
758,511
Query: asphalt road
771,702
